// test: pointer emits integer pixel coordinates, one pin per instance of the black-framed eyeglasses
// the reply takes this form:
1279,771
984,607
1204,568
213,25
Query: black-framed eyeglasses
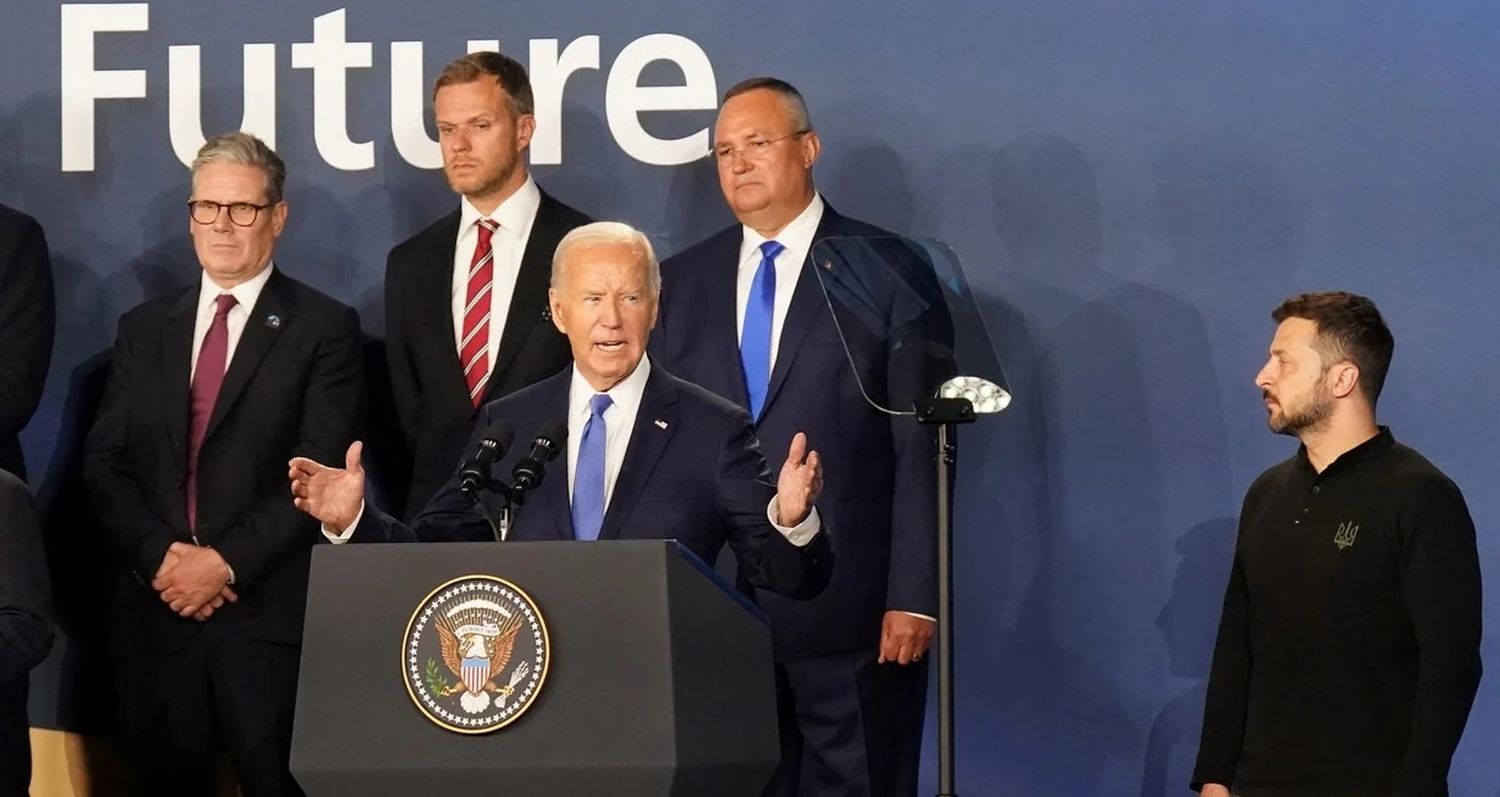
243,214
754,149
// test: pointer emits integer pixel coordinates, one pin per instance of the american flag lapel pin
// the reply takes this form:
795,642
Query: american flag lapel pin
661,424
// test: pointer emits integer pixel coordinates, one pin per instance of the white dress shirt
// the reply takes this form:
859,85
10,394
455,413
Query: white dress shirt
619,422
797,237
245,295
508,243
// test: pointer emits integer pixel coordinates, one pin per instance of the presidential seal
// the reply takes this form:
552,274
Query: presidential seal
475,654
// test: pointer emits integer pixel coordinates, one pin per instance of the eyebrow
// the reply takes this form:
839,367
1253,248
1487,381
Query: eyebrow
486,117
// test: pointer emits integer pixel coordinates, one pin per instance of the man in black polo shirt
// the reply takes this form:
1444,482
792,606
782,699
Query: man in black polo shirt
1348,649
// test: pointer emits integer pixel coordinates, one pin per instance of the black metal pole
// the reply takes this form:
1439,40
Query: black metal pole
946,455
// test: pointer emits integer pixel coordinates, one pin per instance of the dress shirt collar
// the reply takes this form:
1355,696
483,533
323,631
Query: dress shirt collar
245,294
626,394
796,236
514,214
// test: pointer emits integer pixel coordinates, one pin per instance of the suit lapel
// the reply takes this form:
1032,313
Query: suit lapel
655,423
808,302
722,315
554,487
528,303
176,370
433,287
268,317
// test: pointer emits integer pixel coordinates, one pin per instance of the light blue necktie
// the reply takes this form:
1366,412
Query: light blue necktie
588,477
755,338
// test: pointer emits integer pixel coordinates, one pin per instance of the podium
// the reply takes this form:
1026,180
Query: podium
658,679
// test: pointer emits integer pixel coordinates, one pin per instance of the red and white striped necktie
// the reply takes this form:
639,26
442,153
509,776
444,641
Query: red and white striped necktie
474,349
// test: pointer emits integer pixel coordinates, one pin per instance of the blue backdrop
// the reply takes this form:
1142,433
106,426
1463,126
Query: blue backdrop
1133,188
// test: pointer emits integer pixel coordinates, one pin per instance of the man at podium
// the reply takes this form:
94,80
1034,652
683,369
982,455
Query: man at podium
646,455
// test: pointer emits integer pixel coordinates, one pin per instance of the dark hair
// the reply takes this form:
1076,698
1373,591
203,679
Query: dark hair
796,106
1349,328
507,71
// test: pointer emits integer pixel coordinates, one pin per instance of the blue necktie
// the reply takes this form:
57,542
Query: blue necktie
755,338
588,477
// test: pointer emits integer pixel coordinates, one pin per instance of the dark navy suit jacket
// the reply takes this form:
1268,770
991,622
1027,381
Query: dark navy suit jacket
693,472
880,482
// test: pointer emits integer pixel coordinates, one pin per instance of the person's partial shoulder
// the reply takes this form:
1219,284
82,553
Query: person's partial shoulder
330,314
13,219
707,403
565,214
1417,476
413,252
850,226
12,487
526,399
693,255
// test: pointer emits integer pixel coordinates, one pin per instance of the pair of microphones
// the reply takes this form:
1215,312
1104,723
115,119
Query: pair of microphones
527,475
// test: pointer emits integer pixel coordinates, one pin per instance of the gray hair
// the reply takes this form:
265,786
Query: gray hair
605,233
244,149
796,106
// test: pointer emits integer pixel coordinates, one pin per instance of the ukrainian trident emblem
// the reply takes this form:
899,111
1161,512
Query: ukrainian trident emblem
1346,535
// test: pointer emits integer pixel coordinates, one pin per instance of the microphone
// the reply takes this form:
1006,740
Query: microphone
529,472
475,474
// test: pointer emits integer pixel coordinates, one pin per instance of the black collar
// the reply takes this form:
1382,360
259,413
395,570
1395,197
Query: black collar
1364,452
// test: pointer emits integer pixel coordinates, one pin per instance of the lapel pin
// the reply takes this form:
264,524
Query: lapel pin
273,321
661,424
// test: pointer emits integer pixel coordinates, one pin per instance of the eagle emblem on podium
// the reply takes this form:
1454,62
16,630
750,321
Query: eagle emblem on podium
475,654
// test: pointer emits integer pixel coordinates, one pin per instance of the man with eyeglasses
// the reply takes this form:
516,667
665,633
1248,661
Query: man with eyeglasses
743,315
210,390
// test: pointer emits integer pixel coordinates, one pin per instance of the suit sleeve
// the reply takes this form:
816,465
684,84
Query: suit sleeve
333,407
139,535
25,610
1440,585
919,356
766,558
404,389
27,316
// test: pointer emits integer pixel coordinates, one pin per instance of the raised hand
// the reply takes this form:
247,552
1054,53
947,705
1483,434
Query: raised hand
332,495
800,482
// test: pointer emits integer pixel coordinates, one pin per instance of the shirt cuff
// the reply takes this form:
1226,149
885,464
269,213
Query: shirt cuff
799,535
340,537
917,614
230,569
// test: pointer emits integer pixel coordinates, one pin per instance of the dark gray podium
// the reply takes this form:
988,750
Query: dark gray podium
659,682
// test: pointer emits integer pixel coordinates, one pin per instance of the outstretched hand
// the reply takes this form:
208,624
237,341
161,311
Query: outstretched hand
332,495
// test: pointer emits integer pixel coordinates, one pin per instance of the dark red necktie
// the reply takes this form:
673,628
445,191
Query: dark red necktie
208,377
474,349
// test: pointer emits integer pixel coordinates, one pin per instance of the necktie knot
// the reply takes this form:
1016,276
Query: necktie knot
770,249
487,228
225,302
599,403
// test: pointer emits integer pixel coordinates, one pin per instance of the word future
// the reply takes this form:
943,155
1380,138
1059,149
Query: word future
330,55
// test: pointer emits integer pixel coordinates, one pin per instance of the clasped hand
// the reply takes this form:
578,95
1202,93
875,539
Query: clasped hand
193,581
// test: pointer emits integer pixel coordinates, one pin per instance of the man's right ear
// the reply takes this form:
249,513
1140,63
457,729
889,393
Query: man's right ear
556,310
